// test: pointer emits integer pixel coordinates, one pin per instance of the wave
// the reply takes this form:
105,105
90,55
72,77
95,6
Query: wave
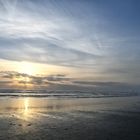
69,94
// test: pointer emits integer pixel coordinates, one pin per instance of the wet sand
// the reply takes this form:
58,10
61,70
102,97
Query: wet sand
115,118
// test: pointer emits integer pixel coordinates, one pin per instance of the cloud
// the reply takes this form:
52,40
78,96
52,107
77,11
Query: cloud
87,34
103,84
20,79
53,37
48,51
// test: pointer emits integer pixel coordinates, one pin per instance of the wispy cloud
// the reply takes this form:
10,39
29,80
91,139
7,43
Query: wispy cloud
56,38
92,35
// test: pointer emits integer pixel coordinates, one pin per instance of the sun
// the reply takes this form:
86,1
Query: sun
27,68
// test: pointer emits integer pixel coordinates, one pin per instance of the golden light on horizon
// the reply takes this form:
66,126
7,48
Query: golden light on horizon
35,68
27,68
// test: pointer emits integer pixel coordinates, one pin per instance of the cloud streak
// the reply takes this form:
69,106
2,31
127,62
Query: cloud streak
23,82
78,34
54,35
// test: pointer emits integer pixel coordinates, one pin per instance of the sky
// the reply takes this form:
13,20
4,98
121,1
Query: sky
69,42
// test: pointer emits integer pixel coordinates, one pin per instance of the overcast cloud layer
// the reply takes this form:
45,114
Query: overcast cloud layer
103,36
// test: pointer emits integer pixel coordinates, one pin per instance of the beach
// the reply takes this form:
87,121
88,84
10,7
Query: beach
30,118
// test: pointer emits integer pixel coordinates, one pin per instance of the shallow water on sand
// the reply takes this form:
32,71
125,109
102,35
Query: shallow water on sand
58,118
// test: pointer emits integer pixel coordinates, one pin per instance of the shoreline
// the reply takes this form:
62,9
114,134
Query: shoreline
63,95
79,119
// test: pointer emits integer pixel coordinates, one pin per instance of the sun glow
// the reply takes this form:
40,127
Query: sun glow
28,68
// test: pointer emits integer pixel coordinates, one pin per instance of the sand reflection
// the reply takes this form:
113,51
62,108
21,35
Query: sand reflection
26,110
26,105
23,111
